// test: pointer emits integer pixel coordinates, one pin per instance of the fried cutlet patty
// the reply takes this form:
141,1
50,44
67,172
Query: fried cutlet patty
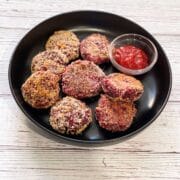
122,87
114,115
81,79
95,48
70,116
66,41
51,60
41,89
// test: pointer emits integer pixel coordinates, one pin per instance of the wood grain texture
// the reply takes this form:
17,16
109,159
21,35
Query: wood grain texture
152,154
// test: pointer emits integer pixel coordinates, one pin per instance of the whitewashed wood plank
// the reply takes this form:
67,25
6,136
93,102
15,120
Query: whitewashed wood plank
158,17
57,164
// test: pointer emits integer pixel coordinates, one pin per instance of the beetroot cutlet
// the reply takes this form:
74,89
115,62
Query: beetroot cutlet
51,60
70,116
122,87
82,79
114,115
66,41
95,48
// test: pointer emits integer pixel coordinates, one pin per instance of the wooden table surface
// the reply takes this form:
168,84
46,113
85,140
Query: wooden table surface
152,154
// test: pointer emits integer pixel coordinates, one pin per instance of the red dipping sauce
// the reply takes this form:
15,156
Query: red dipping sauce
131,57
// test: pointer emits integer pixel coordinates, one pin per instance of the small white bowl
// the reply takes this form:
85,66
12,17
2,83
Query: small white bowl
139,41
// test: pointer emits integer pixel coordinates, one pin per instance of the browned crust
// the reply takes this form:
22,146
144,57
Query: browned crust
41,89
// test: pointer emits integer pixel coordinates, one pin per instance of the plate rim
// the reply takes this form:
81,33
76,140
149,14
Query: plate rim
67,139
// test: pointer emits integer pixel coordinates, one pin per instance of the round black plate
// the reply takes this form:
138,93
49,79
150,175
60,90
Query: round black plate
157,82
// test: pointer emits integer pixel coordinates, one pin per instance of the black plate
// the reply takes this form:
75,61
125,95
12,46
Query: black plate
157,82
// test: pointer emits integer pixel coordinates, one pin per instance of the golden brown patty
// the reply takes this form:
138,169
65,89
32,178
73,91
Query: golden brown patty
122,87
70,116
66,41
95,48
52,60
114,115
82,79
41,89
